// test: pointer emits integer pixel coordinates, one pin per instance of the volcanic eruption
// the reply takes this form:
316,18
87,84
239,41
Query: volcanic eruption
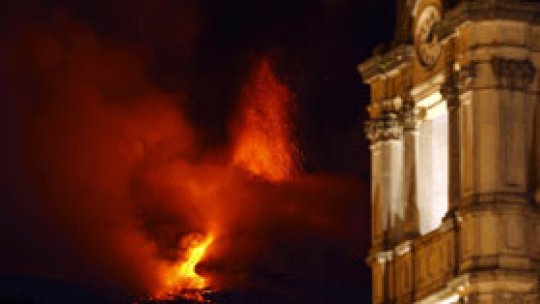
130,196
262,148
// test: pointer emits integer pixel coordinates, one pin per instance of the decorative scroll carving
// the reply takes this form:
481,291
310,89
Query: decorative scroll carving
513,74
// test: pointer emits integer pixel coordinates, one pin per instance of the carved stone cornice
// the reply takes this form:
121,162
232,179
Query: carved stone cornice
513,74
383,63
377,109
487,10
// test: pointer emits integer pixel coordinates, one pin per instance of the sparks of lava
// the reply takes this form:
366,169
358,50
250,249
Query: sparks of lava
182,278
262,131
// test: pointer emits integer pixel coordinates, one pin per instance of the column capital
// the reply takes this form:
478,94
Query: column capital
410,114
458,80
372,129
513,74
388,126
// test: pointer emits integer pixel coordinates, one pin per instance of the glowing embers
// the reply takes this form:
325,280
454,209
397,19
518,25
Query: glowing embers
181,279
262,131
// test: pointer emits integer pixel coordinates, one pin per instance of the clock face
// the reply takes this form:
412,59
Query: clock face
426,42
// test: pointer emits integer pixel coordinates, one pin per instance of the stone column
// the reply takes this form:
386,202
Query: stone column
379,223
388,214
392,175
456,91
411,121
451,93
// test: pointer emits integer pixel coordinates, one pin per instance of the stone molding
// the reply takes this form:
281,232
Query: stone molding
449,293
487,10
386,62
388,105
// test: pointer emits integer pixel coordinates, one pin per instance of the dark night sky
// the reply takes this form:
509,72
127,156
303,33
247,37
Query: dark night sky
204,49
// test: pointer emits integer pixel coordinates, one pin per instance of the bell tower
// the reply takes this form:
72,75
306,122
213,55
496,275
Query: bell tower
454,134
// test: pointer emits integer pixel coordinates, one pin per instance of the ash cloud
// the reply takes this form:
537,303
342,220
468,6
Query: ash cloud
87,118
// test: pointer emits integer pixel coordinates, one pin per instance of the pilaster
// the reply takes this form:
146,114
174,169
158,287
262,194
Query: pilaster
411,121
386,135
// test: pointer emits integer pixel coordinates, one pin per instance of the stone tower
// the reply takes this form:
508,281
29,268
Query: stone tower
455,145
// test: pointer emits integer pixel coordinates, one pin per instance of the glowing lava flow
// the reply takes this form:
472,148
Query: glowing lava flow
182,277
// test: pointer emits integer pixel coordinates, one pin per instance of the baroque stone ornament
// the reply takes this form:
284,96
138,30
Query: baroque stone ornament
388,126
392,126
513,74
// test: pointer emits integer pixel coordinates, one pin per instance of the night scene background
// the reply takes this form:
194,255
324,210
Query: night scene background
134,130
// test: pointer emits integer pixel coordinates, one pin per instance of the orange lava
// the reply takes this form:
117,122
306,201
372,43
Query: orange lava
262,131
182,276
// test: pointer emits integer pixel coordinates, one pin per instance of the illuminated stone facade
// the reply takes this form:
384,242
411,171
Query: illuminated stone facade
455,144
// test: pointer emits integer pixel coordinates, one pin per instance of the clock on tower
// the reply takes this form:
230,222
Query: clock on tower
426,42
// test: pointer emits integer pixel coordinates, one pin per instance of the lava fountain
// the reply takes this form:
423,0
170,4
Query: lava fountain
262,147
262,131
